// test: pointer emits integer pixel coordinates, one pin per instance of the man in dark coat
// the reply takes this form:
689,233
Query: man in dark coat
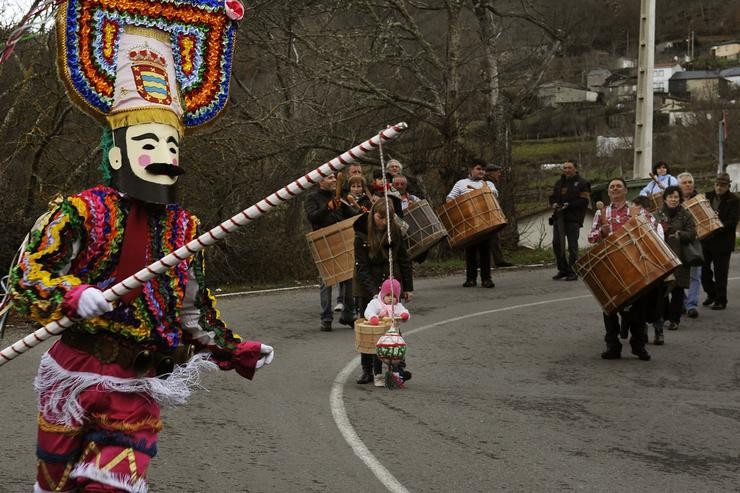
569,201
323,209
719,246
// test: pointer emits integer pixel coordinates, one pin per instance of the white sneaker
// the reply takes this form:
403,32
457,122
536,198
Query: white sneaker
380,380
339,307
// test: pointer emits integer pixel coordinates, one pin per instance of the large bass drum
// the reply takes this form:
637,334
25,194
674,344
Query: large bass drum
471,216
626,264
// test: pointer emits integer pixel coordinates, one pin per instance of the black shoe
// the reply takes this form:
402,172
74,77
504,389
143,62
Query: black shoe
366,377
559,276
504,264
658,341
406,375
708,301
611,354
642,354
469,283
692,313
719,306
326,326
348,323
571,277
487,283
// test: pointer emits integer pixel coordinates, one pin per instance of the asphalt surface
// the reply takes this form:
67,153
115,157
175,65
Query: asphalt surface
508,394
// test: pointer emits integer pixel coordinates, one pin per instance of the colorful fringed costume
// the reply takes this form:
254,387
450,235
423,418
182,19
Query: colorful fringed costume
149,70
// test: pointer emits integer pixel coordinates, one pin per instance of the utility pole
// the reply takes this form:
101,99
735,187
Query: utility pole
643,143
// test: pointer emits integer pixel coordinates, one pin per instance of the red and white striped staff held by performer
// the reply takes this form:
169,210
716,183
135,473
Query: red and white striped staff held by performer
211,237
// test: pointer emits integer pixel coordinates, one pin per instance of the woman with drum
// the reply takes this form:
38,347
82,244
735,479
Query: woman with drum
607,221
679,229
372,266
662,179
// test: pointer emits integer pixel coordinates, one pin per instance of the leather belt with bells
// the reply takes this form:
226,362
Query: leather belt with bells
109,349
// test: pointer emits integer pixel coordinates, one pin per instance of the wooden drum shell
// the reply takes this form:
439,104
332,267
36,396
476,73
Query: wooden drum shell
471,216
705,218
366,335
333,251
425,228
626,264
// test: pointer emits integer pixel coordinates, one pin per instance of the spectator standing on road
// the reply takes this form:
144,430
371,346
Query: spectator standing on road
372,267
478,254
719,246
493,173
323,209
691,302
662,173
614,216
569,201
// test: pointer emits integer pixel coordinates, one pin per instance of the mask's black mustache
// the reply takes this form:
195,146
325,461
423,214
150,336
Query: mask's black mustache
165,169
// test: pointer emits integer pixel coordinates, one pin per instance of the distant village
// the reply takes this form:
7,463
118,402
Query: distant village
677,91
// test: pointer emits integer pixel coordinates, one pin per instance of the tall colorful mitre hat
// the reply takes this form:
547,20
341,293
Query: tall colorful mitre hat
127,62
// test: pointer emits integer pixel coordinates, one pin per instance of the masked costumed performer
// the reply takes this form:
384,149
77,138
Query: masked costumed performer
148,70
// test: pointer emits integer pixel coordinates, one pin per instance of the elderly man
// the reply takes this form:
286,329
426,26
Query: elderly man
719,246
400,183
569,201
323,209
394,167
686,183
479,253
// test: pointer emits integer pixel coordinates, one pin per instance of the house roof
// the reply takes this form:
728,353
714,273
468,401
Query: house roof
696,74
725,43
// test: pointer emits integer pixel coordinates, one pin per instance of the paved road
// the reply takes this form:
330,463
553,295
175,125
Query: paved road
508,394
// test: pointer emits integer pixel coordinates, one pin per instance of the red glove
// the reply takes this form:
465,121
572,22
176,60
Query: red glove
374,320
404,316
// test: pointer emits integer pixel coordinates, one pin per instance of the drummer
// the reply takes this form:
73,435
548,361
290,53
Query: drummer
400,184
662,174
691,302
477,254
606,222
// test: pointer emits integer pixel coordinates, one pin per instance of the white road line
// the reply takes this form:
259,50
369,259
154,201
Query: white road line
339,412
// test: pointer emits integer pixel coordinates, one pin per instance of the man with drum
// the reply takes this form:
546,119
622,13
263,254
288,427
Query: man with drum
719,246
400,184
686,183
606,222
569,201
323,209
477,254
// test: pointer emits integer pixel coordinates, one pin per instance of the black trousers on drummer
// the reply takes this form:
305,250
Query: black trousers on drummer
715,283
633,319
478,255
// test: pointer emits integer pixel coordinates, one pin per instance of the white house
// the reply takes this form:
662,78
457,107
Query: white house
728,49
732,74
662,72
558,92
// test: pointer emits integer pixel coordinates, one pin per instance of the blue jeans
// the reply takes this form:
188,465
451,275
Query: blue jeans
345,291
692,296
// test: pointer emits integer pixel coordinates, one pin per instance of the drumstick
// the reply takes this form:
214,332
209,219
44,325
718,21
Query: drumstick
602,217
340,182
352,201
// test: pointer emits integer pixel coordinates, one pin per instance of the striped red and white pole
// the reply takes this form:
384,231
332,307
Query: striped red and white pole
209,238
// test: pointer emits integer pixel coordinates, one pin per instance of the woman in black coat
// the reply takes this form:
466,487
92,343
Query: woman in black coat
679,229
372,267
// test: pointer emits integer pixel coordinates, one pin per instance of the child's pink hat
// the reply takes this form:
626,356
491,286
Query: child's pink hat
388,286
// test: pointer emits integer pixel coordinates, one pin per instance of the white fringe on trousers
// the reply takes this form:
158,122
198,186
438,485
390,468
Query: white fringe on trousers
59,389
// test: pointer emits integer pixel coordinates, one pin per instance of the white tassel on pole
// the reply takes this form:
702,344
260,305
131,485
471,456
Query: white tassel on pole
209,238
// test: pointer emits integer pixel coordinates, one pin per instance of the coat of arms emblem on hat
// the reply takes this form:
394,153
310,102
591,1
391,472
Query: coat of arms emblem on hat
150,76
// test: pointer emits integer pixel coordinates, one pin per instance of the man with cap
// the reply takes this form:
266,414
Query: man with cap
101,385
719,246
493,173
569,201
479,253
